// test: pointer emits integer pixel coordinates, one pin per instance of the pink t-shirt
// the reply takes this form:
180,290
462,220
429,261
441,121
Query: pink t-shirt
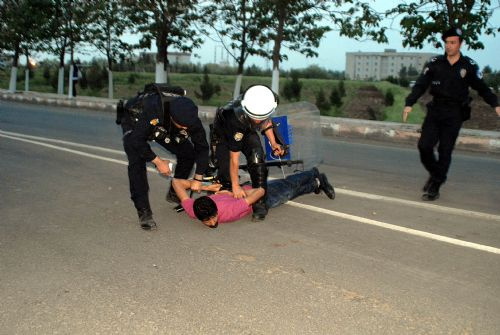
229,208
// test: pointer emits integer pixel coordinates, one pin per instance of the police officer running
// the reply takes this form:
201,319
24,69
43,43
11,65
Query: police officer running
449,77
171,119
235,130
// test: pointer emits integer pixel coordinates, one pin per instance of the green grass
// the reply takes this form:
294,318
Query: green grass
191,82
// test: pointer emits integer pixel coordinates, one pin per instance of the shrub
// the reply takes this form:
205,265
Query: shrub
291,89
335,99
207,88
341,89
321,102
389,98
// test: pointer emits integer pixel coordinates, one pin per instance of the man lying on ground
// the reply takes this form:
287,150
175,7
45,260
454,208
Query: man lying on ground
223,207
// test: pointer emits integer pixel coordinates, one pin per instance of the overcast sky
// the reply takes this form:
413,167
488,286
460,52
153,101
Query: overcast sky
333,48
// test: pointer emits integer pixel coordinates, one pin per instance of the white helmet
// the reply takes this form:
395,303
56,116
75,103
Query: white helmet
259,102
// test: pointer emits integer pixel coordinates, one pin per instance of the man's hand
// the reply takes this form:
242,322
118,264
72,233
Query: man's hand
162,166
277,149
406,112
497,109
238,192
196,185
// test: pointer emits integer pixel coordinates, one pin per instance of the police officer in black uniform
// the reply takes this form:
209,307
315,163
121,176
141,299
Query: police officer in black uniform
235,130
171,120
449,77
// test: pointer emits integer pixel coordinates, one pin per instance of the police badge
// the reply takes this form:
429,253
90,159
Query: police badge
463,72
238,136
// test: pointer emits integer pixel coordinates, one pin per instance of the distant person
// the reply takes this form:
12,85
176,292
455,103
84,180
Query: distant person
449,77
223,207
75,78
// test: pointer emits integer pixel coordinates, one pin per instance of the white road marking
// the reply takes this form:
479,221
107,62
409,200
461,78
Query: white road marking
313,208
449,210
397,228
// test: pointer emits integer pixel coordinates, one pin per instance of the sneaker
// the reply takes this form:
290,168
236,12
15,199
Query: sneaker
326,187
146,219
172,196
432,192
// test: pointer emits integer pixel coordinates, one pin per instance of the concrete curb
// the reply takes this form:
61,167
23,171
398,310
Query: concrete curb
469,139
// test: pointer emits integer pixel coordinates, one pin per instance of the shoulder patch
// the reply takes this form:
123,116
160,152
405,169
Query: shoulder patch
479,74
154,122
238,136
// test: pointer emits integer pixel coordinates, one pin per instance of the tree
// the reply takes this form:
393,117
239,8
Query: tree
236,24
296,25
108,24
423,19
170,23
23,24
335,99
342,92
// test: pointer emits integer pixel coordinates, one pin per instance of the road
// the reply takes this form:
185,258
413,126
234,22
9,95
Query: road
376,260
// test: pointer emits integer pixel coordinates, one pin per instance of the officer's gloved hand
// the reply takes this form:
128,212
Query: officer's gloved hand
278,150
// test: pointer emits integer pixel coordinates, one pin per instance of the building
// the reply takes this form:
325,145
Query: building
380,65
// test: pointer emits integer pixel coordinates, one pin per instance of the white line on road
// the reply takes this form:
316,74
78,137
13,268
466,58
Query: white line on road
308,207
397,228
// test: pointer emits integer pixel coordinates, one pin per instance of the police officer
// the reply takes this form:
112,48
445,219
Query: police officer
236,127
449,77
171,124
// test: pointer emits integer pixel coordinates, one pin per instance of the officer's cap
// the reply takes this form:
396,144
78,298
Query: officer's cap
184,111
452,32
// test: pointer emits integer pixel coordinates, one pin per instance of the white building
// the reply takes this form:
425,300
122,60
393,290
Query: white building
380,65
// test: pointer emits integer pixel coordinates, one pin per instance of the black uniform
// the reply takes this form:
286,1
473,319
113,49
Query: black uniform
144,122
448,109
234,131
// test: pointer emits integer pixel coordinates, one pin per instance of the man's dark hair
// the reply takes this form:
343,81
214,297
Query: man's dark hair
204,208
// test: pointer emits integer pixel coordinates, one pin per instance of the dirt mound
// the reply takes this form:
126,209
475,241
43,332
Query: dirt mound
368,104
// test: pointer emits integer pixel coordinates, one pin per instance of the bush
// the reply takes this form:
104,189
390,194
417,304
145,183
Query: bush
291,89
342,89
207,88
389,98
131,78
335,99
321,102
46,74
95,77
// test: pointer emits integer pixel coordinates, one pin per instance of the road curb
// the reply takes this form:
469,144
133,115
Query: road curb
469,139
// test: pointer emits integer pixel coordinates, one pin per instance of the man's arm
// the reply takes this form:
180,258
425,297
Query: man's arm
275,147
234,165
418,89
476,82
181,185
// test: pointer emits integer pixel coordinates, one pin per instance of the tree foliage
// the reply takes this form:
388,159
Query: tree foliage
423,21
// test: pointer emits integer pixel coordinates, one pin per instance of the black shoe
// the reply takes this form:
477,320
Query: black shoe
172,196
315,170
146,219
427,184
259,211
432,192
325,186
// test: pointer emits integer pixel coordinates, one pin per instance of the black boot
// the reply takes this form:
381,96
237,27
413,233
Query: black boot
172,196
432,192
259,210
146,219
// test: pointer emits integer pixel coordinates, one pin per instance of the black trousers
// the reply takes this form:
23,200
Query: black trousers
441,126
251,146
137,174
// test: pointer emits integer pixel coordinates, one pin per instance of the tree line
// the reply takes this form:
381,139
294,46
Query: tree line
266,28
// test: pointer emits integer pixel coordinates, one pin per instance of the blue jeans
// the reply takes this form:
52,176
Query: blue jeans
280,191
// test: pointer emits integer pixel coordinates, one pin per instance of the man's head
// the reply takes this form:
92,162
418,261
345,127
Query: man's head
259,102
205,210
453,41
184,112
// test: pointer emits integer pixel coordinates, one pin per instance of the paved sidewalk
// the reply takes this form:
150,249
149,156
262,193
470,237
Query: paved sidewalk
469,139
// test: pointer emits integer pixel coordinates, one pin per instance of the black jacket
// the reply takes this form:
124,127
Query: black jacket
451,83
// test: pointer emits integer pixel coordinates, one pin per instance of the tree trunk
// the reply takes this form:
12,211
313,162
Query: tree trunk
276,50
237,85
110,84
13,71
60,78
27,74
161,59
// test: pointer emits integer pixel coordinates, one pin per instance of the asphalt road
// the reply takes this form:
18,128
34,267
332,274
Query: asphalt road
376,260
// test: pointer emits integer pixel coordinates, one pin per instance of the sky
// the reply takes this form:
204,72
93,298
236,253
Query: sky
333,48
